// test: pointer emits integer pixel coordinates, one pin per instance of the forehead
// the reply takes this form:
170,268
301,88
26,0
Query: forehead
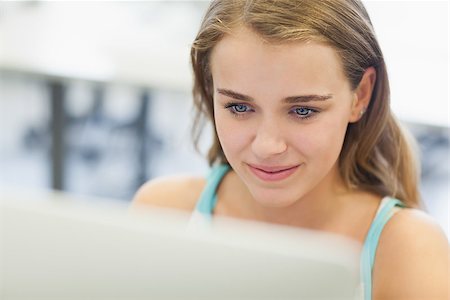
243,58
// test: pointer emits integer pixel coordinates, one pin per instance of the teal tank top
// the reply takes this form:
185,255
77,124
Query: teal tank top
208,200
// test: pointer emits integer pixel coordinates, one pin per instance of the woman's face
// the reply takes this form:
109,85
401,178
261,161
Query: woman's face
281,113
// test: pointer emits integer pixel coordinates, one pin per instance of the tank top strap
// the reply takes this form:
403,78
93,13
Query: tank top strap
208,197
385,212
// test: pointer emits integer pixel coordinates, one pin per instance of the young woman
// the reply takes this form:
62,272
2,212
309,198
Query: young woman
298,95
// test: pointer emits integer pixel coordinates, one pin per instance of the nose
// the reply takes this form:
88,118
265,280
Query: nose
268,141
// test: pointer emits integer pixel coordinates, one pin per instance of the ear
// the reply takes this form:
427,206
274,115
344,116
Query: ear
363,94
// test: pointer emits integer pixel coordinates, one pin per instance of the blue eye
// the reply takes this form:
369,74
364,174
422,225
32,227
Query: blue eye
304,112
237,108
240,108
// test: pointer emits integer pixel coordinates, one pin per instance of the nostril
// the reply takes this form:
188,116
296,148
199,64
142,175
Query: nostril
265,146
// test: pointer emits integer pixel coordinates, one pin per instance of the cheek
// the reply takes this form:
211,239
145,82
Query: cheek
233,136
321,142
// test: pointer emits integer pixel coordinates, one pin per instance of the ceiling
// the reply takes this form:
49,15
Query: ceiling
144,43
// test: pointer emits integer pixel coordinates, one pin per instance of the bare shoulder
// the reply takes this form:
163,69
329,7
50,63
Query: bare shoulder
179,192
412,258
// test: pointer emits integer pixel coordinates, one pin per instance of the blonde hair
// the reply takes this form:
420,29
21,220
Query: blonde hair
377,154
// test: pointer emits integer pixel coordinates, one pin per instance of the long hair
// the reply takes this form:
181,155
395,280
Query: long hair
378,155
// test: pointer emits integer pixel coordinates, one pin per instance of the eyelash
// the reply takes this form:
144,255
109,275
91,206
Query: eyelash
231,107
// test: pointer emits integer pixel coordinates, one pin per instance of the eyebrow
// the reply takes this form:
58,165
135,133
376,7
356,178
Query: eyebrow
290,99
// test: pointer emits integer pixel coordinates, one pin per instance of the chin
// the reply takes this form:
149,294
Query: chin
274,198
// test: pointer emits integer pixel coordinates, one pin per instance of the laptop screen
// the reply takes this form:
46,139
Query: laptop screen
63,248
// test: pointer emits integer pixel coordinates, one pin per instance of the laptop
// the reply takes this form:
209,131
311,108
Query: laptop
58,246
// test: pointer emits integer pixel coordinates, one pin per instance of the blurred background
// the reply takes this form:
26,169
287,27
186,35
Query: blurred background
95,97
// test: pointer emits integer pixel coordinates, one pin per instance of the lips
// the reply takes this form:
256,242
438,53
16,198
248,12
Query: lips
272,173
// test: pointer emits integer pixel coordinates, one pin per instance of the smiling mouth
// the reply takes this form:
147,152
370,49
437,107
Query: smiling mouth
272,173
